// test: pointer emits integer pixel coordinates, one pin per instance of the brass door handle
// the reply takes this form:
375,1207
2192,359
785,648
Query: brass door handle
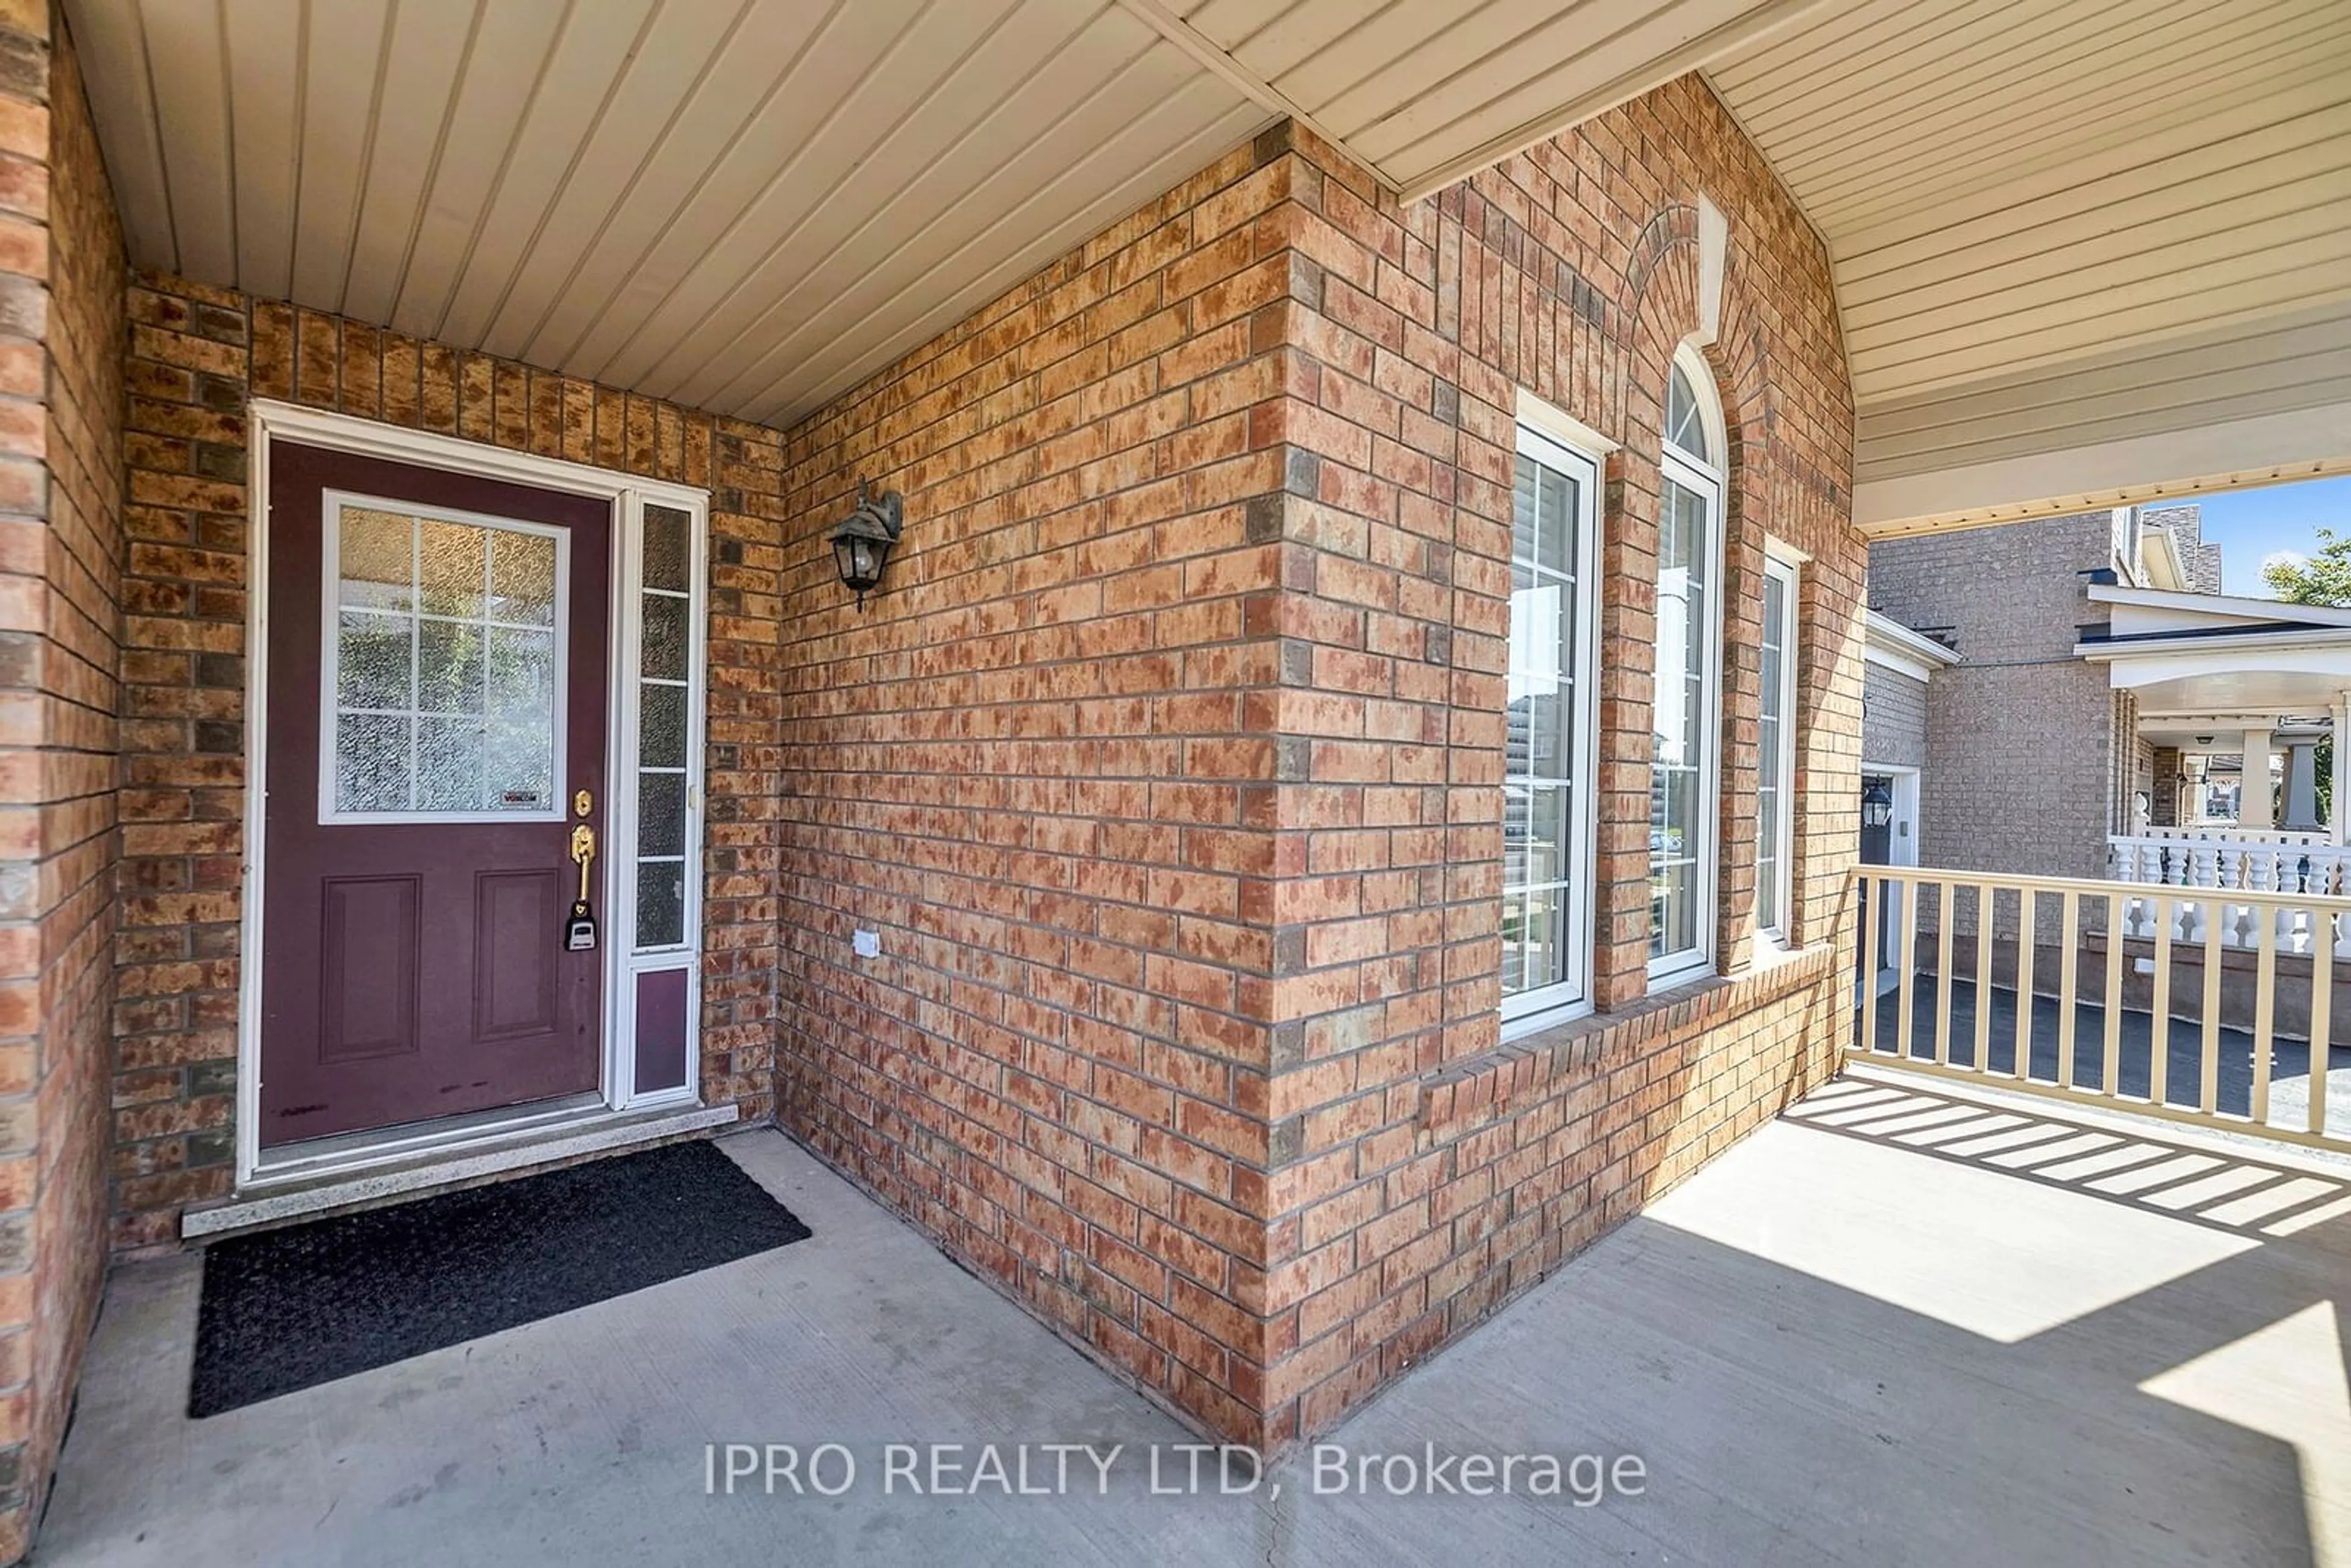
580,931
583,852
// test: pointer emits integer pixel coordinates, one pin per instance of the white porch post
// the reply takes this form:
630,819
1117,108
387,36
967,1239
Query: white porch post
2253,807
2300,814
2335,815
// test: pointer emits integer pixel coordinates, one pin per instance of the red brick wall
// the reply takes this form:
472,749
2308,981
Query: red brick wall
1167,761
61,273
1040,763
1437,1173
196,355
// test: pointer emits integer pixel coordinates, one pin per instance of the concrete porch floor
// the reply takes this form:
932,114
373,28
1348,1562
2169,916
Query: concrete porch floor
1893,1327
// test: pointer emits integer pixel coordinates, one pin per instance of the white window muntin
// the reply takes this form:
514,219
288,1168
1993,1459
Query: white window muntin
332,504
1699,764
1554,644
1775,814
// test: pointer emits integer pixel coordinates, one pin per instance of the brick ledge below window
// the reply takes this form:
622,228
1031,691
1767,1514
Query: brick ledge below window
1479,1088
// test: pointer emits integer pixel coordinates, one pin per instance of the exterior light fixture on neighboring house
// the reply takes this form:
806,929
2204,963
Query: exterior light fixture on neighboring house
1877,802
861,544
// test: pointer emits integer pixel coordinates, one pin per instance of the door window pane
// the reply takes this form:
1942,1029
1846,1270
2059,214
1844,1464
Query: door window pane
522,673
666,636
661,903
452,567
669,546
661,814
449,758
446,657
449,666
378,559
663,744
375,672
522,580
371,762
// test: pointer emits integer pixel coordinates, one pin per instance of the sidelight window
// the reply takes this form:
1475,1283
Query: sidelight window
665,662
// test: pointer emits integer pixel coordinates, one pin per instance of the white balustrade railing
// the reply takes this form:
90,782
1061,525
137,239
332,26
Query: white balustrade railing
2127,993
2232,833
2288,863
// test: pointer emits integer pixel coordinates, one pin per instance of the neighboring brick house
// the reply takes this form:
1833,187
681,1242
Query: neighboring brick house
2030,758
1903,665
1894,707
2198,559
1181,767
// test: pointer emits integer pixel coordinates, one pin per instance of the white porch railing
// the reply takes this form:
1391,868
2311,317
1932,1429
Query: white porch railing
2195,1010
2258,860
2231,832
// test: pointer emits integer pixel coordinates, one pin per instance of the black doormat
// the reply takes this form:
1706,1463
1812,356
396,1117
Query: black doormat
287,1309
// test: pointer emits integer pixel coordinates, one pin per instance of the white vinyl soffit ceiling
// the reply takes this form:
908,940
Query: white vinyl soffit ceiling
2075,241
2085,249
748,206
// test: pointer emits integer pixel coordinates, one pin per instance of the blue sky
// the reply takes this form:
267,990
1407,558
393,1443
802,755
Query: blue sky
2252,525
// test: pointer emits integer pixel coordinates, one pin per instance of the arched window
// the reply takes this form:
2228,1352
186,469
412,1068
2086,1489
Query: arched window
1686,762
1686,416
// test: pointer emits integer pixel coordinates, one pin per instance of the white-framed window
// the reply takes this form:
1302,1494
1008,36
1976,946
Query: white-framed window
1552,753
1775,771
1687,759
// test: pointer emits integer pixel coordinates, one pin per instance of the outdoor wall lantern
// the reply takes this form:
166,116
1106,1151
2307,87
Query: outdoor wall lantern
861,545
1876,803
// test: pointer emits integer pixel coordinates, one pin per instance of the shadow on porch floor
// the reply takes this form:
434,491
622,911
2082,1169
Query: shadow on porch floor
1892,1327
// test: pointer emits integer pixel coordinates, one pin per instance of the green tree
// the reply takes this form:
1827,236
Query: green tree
2324,579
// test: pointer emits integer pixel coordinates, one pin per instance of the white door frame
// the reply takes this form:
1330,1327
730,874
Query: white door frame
627,495
1901,850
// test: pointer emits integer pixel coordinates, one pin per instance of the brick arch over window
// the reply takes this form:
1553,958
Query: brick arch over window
1657,310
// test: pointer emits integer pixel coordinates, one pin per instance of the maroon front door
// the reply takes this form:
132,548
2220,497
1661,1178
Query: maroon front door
436,712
